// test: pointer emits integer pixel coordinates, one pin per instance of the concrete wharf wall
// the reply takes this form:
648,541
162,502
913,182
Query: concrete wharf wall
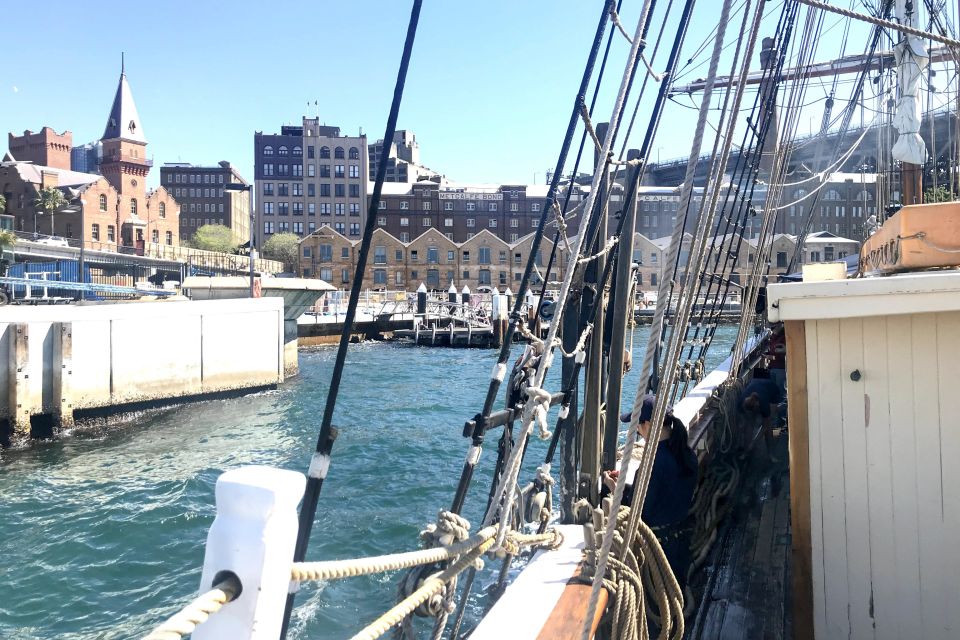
59,359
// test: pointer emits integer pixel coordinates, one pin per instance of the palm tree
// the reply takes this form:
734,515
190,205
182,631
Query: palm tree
49,200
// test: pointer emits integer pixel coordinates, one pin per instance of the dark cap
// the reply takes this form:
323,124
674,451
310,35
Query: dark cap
646,409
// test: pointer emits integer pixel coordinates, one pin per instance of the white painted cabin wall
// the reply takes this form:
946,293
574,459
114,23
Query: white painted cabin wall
885,475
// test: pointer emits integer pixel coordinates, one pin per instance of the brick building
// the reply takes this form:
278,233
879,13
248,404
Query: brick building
203,200
117,209
45,148
403,159
307,176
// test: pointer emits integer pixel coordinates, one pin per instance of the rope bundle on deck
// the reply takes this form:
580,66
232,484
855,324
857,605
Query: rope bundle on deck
641,584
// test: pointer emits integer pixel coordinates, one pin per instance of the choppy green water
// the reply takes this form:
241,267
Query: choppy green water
102,531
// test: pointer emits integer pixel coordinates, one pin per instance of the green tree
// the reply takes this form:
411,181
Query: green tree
3,204
50,200
284,247
214,237
940,194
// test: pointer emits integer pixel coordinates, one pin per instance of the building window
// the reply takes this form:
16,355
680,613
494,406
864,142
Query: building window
311,170
404,205
535,223
268,169
169,237
483,276
338,171
404,236
267,151
379,276
163,209
492,206
781,259
133,206
448,222
298,170
298,228
268,227
283,208
310,152
338,153
324,190
283,151
324,152
398,254
268,208
339,191
448,206
155,236
324,171
451,255
338,209
268,188
471,222
484,255
465,257
354,153
297,152
471,206
326,253
111,233
398,277
514,206
426,222
354,191
414,255
354,171
103,202
311,190
354,209
535,208
354,228
95,231
492,223
379,255
514,223
383,204
382,221
433,255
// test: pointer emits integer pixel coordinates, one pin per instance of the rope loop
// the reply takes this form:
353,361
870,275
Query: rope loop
448,529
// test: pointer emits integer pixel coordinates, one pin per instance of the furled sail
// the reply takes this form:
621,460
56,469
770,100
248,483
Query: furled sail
911,57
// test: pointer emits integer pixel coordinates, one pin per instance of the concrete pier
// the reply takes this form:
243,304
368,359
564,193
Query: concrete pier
298,295
60,359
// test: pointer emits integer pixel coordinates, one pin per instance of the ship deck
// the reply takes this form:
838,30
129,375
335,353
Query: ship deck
745,585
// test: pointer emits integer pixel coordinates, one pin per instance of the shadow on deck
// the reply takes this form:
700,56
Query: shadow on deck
745,584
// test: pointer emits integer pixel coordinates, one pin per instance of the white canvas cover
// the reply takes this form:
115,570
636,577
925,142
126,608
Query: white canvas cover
911,56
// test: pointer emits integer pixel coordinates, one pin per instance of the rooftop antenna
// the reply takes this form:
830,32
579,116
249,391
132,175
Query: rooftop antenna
123,66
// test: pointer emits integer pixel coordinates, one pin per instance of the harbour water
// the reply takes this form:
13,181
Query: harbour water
102,531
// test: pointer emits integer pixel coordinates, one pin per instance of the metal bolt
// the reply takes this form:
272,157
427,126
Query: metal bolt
855,375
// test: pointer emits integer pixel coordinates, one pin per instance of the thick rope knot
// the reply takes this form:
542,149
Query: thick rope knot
544,479
449,528
541,404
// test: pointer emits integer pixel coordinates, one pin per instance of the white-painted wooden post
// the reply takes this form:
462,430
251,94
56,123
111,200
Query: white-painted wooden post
253,536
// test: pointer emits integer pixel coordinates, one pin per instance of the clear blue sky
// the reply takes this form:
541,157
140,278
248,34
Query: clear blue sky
488,95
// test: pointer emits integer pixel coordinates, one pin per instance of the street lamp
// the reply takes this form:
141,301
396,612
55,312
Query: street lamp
233,186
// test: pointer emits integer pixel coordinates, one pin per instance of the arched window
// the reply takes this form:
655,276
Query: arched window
800,193
268,150
283,151
324,152
354,153
297,152
133,206
338,153
103,202
832,194
163,209
865,196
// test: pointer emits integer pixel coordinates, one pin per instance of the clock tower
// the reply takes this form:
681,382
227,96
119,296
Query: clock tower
125,164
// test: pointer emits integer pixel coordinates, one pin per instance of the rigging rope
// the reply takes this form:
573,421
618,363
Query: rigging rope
198,611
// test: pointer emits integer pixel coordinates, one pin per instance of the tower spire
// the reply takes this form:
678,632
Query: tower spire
123,66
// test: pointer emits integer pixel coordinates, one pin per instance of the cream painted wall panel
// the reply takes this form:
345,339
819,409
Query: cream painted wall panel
832,489
231,359
881,538
90,382
40,351
948,355
155,357
926,428
903,463
816,495
856,496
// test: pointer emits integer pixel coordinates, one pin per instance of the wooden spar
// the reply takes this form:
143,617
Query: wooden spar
841,66
916,237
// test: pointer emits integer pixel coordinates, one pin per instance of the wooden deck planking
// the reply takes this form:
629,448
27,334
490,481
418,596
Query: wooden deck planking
856,497
881,536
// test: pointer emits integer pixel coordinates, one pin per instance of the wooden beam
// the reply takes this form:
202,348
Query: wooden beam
801,554
566,619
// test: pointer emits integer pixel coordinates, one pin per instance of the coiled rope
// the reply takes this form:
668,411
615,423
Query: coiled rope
202,607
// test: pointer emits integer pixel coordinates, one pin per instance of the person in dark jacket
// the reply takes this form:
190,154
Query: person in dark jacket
760,399
673,481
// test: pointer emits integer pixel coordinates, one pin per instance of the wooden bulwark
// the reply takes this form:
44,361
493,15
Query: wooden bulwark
921,236
801,560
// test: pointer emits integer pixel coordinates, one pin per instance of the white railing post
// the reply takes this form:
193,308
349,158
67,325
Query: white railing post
253,536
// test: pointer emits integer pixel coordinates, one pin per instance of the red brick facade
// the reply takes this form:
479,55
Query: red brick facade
45,148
